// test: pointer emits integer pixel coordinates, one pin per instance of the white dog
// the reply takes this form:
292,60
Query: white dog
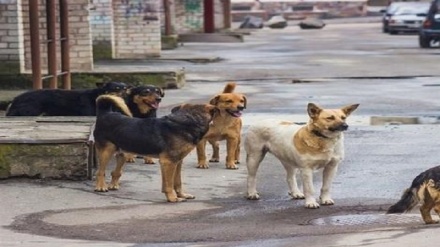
318,144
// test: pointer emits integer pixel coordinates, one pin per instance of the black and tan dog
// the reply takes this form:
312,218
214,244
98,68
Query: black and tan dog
60,102
170,138
225,126
143,102
424,189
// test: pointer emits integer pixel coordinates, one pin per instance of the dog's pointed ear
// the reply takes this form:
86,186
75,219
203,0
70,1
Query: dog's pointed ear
313,110
349,109
245,101
214,100
100,84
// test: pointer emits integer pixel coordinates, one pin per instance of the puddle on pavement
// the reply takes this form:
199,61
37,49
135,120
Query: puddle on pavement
367,219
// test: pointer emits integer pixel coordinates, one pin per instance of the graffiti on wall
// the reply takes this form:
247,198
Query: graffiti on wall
146,8
193,17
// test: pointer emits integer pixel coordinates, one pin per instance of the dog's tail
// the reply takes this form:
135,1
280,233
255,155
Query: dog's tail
407,202
229,88
8,110
108,103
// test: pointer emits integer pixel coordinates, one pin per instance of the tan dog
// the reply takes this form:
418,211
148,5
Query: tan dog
425,189
225,126
316,145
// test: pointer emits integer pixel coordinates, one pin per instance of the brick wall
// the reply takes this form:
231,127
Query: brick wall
136,29
189,16
101,20
11,37
101,13
81,58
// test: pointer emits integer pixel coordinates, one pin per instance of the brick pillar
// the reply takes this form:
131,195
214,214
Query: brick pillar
11,37
136,29
81,57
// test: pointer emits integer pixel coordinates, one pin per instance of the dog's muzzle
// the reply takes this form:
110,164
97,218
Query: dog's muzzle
341,127
236,113
154,104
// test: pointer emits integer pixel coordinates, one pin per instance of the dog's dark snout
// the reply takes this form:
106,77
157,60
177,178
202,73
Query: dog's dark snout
343,126
240,108
158,99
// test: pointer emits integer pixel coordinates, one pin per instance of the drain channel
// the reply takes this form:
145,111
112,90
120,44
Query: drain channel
368,219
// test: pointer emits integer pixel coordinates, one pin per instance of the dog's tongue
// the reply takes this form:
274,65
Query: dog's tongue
236,114
154,105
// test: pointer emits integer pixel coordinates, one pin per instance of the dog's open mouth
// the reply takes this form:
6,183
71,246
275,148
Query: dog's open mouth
153,105
234,113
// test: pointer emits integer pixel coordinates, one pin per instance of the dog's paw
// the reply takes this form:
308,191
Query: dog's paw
101,189
327,202
214,160
130,159
237,162
203,166
231,167
149,161
185,196
176,199
428,222
297,195
253,196
312,205
114,187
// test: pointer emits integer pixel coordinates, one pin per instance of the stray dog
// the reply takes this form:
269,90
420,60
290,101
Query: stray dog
170,138
61,102
425,189
143,102
225,126
316,145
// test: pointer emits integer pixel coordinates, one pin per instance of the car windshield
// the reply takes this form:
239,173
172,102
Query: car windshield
412,9
393,8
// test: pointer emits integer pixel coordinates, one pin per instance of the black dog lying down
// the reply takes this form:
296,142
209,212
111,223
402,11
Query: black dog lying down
170,138
60,102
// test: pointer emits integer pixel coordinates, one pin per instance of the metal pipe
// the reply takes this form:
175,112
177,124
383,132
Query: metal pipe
167,10
37,83
51,43
65,49
208,16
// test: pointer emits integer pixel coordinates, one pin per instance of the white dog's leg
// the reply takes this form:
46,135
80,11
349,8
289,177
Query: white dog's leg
253,160
309,191
327,178
294,191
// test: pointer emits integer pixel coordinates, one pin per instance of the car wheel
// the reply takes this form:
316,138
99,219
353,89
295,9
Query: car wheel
424,42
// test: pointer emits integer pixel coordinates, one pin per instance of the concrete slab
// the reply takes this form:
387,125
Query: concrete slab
211,38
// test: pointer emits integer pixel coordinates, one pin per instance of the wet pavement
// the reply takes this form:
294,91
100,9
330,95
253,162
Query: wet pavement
380,161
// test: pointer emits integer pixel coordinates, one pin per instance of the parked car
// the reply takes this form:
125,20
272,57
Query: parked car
408,17
388,12
429,33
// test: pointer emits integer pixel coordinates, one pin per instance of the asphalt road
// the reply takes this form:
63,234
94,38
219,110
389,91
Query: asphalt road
339,65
